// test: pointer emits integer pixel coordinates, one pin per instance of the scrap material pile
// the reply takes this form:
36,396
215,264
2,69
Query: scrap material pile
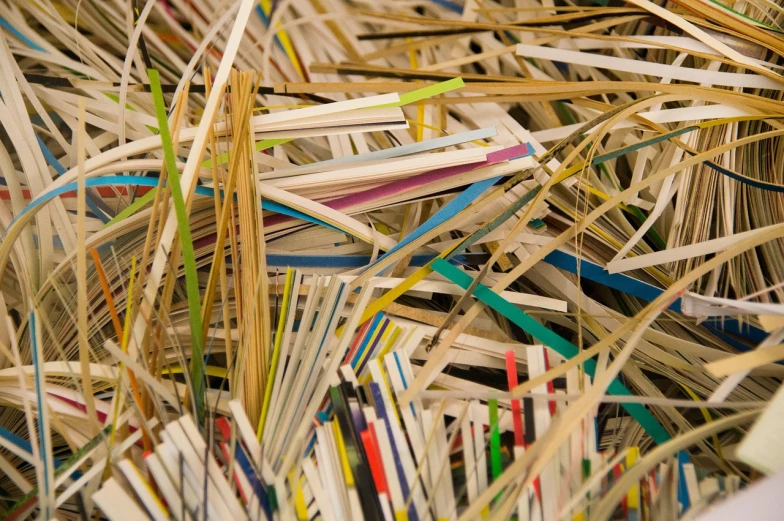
411,260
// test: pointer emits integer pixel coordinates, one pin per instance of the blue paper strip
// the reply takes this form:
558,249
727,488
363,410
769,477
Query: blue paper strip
645,291
450,210
127,180
24,39
413,148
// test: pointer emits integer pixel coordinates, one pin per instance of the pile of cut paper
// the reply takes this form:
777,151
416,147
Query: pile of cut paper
391,260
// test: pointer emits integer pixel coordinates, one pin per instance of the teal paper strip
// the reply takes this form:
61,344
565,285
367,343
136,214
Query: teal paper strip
551,340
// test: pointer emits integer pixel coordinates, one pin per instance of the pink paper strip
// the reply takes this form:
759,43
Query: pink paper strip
404,185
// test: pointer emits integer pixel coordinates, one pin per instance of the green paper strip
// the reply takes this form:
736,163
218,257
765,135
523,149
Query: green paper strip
747,18
405,99
428,92
551,340
188,254
139,203
264,144
495,440
132,208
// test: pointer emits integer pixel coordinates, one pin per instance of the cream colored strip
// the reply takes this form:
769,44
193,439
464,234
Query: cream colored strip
728,79
660,116
683,252
745,361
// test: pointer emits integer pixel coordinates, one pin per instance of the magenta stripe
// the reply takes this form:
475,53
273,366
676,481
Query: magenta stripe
413,182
